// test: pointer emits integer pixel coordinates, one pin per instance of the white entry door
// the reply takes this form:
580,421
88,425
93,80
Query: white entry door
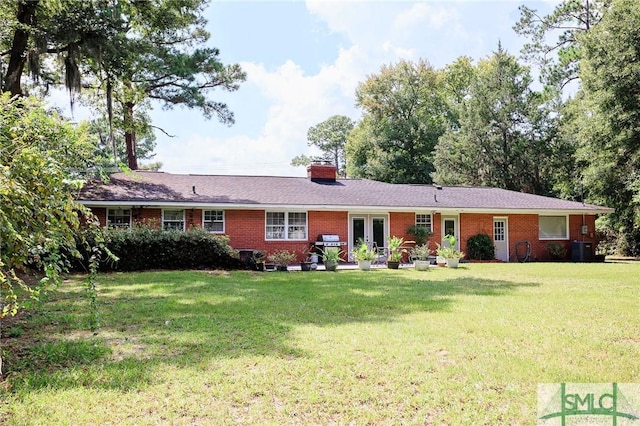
500,239
450,227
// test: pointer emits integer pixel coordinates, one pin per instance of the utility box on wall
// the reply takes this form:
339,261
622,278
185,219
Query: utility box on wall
581,251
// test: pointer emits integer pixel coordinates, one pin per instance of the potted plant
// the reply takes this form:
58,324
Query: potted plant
258,259
330,258
282,259
307,263
364,255
420,255
450,254
395,252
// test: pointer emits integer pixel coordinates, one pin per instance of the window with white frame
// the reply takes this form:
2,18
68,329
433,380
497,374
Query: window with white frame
286,226
553,228
119,218
424,220
213,220
173,219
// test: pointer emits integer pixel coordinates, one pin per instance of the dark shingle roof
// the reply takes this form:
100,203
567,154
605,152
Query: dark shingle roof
146,188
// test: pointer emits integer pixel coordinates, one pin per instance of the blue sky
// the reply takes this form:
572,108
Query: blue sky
304,61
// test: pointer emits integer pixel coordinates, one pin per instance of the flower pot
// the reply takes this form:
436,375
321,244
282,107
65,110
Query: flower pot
452,262
282,268
393,265
441,261
364,265
259,266
422,265
330,266
313,258
305,266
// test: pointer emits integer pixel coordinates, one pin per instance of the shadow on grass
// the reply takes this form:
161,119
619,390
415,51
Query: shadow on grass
157,319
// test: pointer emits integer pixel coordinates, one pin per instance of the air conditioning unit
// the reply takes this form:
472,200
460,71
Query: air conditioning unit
581,251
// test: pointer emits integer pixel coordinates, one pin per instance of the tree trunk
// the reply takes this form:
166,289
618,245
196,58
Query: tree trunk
130,136
26,16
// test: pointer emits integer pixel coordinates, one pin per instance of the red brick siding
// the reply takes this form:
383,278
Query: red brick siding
101,214
193,218
151,217
524,227
436,237
400,221
321,171
246,228
398,224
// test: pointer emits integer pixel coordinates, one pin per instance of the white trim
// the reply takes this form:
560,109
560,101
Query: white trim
506,233
430,214
368,227
349,208
456,218
286,225
567,230
119,208
224,220
183,218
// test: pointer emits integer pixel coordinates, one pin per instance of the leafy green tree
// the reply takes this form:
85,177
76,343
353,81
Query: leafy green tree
609,126
43,161
504,133
158,56
131,52
406,113
37,30
111,140
330,137
364,153
554,39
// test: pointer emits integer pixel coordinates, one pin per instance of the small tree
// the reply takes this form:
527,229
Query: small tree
43,159
480,247
330,137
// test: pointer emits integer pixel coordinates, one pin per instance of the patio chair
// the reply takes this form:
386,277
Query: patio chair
381,255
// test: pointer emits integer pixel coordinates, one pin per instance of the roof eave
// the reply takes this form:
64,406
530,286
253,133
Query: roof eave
325,207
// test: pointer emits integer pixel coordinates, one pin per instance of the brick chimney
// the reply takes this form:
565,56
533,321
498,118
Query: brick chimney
322,172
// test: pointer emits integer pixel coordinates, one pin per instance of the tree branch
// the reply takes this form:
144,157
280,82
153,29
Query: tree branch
162,130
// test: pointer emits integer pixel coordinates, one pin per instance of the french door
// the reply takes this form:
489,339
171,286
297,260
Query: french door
371,229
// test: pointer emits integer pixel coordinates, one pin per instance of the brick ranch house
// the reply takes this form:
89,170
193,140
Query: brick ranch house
272,213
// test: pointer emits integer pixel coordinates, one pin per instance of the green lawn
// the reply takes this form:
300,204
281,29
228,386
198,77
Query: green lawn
465,346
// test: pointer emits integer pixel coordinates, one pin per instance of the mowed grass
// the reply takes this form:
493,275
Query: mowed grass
465,346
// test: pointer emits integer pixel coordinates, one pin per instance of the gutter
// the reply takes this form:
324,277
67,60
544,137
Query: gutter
347,208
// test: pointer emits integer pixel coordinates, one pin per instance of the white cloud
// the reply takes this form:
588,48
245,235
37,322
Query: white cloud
435,16
297,102
375,33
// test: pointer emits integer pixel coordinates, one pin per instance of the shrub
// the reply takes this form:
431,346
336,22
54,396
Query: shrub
143,247
282,257
556,251
420,233
480,247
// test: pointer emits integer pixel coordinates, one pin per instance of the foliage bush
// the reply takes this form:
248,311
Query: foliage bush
556,251
42,160
144,247
420,234
480,247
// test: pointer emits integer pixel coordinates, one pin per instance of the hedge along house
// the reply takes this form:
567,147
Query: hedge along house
272,213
